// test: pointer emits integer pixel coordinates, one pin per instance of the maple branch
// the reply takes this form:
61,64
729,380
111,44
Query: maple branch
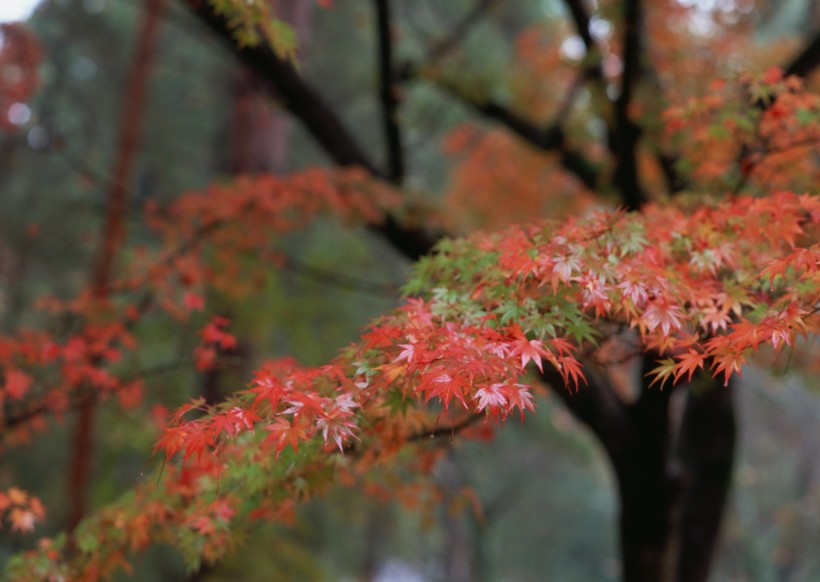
291,90
282,81
44,406
448,430
440,49
581,20
388,93
338,280
624,138
550,138
802,65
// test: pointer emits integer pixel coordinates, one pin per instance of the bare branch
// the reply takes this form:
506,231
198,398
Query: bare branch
388,93
286,85
338,280
443,47
550,138
449,430
282,81
626,133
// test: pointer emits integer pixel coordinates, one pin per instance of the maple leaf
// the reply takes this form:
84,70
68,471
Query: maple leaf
408,352
198,438
284,433
662,314
562,270
233,421
527,349
267,388
519,396
728,363
171,441
490,397
689,362
445,387
571,371
663,372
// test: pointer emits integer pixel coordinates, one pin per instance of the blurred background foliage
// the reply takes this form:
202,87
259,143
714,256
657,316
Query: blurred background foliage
546,505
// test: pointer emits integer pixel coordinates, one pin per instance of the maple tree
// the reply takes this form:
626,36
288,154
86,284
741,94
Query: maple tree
713,261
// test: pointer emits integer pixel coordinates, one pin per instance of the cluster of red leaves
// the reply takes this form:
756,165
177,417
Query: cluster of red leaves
760,129
210,233
47,373
707,287
290,403
488,162
694,285
699,288
42,372
215,339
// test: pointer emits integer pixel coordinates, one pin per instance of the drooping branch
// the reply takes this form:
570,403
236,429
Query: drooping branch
625,134
297,95
294,93
388,93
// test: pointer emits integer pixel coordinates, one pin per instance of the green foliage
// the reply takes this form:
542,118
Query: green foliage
254,22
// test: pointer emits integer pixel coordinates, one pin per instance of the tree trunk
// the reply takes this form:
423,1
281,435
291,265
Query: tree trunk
673,474
672,498
112,238
646,487
707,445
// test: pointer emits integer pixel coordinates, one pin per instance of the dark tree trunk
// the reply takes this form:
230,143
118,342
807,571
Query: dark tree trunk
707,446
646,486
673,469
